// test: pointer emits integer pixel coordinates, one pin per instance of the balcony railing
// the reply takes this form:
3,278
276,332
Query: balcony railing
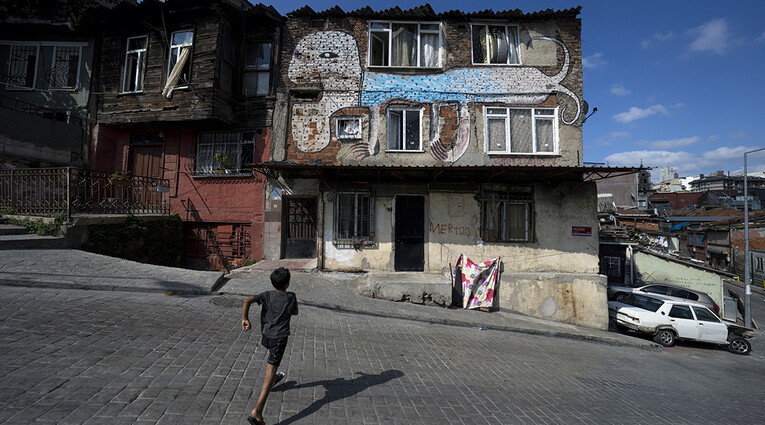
68,190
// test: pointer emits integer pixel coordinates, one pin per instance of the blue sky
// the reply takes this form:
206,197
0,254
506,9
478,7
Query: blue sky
676,83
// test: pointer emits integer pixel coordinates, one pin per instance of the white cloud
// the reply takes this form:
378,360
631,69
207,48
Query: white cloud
711,36
761,38
739,135
593,61
635,113
658,38
618,90
713,138
692,164
673,143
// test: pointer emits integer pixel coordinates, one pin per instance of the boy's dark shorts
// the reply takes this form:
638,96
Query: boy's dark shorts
276,347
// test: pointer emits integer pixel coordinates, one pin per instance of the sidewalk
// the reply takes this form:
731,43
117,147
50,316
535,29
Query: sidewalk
35,261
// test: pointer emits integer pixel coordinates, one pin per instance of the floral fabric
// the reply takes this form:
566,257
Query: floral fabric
478,281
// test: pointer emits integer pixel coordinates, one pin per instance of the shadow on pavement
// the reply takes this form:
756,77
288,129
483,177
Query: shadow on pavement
337,389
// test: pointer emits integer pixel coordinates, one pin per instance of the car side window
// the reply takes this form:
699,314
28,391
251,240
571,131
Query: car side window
680,293
646,303
704,315
681,312
656,289
692,296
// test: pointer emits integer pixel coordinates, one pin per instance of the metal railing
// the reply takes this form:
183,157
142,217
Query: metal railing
69,190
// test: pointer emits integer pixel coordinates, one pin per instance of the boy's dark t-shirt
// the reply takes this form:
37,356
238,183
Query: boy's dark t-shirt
276,312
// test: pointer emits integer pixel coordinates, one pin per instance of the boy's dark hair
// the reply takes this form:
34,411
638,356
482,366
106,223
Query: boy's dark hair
280,278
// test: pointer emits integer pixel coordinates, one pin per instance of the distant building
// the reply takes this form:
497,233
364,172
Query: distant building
667,173
719,181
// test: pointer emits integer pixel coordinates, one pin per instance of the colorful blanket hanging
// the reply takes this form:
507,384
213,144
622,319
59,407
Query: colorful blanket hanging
478,281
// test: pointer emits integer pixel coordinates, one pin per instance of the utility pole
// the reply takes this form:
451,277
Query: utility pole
747,260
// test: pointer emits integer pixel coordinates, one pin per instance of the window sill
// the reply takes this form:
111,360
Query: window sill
523,153
405,151
129,93
15,88
405,68
497,64
224,175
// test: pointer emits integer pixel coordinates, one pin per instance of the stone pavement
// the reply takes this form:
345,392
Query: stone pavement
30,260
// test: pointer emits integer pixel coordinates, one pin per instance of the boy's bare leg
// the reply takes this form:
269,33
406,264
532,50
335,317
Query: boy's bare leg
257,413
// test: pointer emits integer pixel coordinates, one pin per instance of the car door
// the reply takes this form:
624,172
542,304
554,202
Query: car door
711,329
682,320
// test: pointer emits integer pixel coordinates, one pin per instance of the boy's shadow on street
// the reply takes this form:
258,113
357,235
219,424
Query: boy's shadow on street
337,389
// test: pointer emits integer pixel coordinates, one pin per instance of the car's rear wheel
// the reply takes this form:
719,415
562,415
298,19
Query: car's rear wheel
739,345
665,337
619,296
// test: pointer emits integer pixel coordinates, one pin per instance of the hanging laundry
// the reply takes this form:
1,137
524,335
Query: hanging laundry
478,281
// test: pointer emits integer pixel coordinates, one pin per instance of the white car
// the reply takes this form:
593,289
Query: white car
669,319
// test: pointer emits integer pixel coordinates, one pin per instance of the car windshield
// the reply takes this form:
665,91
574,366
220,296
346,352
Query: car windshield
648,303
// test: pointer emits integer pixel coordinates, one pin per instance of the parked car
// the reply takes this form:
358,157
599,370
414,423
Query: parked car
670,319
616,293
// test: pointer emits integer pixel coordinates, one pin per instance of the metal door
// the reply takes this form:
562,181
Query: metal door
409,231
300,229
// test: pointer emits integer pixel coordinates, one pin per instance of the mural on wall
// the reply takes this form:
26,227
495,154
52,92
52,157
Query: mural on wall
331,59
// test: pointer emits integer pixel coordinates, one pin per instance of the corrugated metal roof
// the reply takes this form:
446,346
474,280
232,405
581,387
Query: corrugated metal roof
318,164
426,12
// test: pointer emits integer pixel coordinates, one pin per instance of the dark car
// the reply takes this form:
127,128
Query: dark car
616,293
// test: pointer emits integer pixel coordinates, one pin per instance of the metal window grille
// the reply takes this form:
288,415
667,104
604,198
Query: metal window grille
507,215
66,67
354,218
232,151
22,69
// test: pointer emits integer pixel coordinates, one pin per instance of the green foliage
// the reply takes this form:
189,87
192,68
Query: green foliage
38,227
153,242
125,175
224,161
8,211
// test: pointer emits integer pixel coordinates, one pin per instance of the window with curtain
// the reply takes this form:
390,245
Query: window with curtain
179,61
404,129
507,213
66,67
233,151
495,44
257,69
404,44
354,217
22,67
521,130
135,64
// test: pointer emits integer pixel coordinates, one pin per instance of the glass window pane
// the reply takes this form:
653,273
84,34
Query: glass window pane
496,111
412,130
429,27
263,78
479,44
544,112
379,26
545,136
516,221
497,45
137,43
704,315
395,130
520,130
404,49
182,38
429,50
681,312
379,51
512,36
497,135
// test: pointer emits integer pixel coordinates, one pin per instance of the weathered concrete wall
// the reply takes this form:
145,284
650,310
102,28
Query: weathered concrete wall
650,268
579,299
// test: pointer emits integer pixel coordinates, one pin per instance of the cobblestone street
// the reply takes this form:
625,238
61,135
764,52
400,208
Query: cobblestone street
92,357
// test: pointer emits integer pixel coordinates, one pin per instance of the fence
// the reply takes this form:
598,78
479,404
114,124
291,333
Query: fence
68,190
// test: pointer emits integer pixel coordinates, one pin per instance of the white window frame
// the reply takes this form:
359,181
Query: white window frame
508,27
403,125
170,56
347,136
53,68
8,84
508,134
420,31
142,58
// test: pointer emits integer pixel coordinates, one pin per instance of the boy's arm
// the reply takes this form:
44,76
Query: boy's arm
246,312
295,310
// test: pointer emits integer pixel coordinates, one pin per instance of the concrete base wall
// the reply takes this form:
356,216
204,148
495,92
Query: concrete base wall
578,299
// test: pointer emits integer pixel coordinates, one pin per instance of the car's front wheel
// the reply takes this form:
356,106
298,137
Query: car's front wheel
739,345
665,337
619,296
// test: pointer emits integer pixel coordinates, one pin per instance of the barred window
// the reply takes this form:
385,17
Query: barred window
507,213
231,151
22,67
354,218
66,67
